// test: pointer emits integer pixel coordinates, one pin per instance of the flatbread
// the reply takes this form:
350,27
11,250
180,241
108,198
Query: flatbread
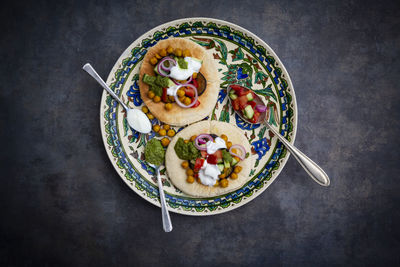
177,174
179,116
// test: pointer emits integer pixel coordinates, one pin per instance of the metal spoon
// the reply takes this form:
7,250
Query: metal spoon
135,117
166,220
313,170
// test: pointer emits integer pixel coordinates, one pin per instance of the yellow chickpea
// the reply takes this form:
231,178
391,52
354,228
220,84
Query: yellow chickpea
171,133
216,184
165,142
171,98
194,75
153,61
190,179
181,92
162,132
198,180
163,52
170,50
158,56
151,94
237,169
150,116
222,175
185,164
145,109
166,127
234,150
224,137
157,99
156,128
178,52
234,176
186,141
189,172
228,144
186,53
168,106
187,101
224,183
193,138
182,98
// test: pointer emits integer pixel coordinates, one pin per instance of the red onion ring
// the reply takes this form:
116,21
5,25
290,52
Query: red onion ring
184,84
167,59
240,147
260,108
196,96
200,138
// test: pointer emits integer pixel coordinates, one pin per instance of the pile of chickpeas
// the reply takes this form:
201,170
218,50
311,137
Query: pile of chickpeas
161,130
181,92
223,180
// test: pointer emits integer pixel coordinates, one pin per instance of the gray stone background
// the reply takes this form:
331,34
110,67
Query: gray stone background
63,204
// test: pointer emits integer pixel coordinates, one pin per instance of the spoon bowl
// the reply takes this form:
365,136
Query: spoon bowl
313,170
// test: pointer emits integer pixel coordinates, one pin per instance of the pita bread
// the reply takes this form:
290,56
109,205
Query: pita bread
177,174
179,116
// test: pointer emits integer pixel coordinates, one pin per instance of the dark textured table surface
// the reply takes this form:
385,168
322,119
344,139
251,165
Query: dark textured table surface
63,204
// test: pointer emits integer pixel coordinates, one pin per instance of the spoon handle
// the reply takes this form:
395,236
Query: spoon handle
166,220
89,69
315,171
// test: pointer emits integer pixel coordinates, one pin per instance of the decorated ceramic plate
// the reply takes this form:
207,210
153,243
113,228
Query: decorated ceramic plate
242,58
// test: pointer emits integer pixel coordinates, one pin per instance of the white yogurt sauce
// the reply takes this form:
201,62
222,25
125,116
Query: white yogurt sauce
138,121
183,74
208,174
172,90
212,147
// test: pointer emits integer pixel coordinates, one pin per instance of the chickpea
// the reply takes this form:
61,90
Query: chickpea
181,92
170,50
234,150
171,98
234,176
168,106
187,101
194,75
171,133
193,138
185,164
198,180
163,52
178,52
187,141
166,127
224,137
153,61
222,175
165,142
162,132
150,116
216,184
182,98
158,56
224,183
189,172
190,179
237,158
186,53
228,144
156,128
157,99
145,109
151,94
237,169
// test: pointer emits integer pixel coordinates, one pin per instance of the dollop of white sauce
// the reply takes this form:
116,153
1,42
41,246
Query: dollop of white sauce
138,120
212,147
172,90
183,74
208,174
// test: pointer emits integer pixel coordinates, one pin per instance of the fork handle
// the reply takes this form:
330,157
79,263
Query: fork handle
166,220
313,170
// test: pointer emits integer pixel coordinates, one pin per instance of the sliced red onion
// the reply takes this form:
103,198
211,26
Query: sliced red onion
167,59
241,148
200,138
196,96
186,83
260,108
161,71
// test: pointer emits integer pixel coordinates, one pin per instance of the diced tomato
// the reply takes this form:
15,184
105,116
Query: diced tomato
196,104
203,153
255,117
199,162
235,104
164,96
196,175
218,154
252,104
189,92
212,159
244,91
195,83
242,101
236,87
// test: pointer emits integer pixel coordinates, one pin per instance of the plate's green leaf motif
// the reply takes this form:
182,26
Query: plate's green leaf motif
261,77
158,34
211,25
198,24
166,183
272,115
278,72
135,51
171,29
212,208
271,60
142,140
261,133
266,92
284,83
223,50
224,116
206,42
125,61
184,26
119,164
126,127
237,54
225,28
252,172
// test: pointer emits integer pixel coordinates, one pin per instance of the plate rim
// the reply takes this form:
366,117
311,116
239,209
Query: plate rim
283,161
